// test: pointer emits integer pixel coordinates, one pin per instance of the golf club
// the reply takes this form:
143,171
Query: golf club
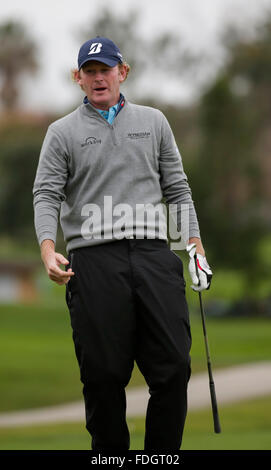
217,427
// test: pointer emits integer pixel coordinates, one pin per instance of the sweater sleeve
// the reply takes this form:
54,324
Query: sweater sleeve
174,184
49,186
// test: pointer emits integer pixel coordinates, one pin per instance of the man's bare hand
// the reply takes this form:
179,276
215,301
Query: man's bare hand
52,262
55,273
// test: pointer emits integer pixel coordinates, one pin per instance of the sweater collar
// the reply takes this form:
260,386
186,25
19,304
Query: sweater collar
120,104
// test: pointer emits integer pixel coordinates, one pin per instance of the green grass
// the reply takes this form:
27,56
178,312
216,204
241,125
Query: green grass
227,285
231,341
38,365
245,426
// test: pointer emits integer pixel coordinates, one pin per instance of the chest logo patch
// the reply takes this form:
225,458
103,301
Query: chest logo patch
138,135
91,141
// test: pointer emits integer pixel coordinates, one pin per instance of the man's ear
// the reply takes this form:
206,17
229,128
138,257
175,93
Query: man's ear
77,77
122,73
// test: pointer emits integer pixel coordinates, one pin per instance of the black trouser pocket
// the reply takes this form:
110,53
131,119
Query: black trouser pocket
68,285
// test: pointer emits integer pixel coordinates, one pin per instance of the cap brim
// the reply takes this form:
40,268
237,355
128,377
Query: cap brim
109,62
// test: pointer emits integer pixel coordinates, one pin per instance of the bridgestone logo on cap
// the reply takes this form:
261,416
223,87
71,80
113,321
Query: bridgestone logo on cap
95,48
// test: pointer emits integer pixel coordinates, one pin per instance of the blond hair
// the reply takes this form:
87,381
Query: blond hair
124,63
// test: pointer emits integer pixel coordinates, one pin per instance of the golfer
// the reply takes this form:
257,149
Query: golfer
105,170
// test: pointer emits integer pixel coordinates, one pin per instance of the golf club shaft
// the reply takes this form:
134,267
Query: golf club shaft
217,427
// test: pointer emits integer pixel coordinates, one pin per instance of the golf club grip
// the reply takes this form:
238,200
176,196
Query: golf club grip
217,427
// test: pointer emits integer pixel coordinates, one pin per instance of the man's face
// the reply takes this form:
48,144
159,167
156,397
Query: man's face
101,83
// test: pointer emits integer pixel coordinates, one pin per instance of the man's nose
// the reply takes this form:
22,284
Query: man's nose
98,76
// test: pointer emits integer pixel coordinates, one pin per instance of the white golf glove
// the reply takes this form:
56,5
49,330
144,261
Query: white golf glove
199,269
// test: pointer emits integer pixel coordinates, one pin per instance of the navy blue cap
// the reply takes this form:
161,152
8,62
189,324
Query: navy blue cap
100,49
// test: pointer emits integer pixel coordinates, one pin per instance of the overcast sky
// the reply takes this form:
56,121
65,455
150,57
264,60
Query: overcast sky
55,25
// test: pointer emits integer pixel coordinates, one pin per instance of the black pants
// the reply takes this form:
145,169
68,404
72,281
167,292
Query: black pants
127,302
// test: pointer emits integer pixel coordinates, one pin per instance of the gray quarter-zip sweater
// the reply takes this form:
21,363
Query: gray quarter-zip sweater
99,178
